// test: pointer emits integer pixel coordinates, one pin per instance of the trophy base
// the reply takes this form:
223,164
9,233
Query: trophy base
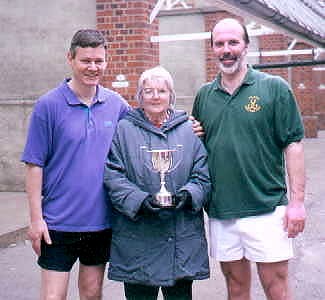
164,200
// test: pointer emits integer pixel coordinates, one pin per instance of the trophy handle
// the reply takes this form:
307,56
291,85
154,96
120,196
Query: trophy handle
144,150
179,149
143,157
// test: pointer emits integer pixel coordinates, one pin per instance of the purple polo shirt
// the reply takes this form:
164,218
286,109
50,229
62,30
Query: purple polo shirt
70,142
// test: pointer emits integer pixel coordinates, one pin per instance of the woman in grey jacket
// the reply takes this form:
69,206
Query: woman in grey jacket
153,246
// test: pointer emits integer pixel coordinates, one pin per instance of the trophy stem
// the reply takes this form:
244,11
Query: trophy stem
163,197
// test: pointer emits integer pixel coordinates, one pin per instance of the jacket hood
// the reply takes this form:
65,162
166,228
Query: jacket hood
137,117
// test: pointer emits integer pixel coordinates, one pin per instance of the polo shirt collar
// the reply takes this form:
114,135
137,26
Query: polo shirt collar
72,99
248,79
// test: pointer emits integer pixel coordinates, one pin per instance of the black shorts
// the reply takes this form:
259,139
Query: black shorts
91,248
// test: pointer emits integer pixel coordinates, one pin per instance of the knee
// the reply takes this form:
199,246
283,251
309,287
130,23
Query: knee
239,289
88,292
53,296
275,281
278,277
273,274
91,295
278,285
238,286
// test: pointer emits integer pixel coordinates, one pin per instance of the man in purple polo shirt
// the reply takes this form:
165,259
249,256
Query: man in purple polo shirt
70,134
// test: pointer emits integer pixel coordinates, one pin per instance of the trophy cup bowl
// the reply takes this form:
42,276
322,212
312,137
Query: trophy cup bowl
162,161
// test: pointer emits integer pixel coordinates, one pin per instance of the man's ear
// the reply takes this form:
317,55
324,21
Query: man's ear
69,57
246,50
106,63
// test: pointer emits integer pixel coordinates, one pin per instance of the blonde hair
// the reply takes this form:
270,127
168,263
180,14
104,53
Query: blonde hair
153,73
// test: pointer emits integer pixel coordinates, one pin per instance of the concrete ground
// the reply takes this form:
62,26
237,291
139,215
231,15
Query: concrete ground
20,276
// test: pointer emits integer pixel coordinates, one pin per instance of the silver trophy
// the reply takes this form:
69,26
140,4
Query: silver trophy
163,161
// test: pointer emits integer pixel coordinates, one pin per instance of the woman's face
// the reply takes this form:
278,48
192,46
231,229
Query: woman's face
156,97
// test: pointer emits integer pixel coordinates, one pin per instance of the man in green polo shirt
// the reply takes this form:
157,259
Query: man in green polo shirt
253,129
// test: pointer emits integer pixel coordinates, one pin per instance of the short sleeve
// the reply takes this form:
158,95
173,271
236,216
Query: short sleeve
288,121
37,145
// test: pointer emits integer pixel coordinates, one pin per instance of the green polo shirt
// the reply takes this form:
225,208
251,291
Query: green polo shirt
245,135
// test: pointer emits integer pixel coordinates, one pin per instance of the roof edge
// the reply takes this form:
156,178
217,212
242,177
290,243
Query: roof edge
272,15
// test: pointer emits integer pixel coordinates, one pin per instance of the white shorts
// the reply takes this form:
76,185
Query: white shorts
257,238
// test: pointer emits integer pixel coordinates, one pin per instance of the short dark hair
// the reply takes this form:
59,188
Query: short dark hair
86,38
245,37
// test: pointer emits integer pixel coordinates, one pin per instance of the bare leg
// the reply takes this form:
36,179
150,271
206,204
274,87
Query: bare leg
274,279
91,282
54,285
238,278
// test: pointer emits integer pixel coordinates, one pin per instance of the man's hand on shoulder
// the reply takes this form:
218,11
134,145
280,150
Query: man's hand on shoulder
196,126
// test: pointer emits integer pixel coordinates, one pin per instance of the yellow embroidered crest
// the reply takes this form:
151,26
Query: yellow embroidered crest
252,106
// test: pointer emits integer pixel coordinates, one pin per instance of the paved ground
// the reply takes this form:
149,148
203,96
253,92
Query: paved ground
19,276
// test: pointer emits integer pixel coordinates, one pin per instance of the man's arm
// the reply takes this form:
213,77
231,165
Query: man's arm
38,228
295,217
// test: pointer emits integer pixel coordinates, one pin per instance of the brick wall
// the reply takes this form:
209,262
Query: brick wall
319,80
274,42
300,78
126,27
304,87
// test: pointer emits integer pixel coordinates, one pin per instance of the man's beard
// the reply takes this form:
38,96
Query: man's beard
235,67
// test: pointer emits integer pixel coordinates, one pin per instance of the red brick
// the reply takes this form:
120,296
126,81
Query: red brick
135,53
311,126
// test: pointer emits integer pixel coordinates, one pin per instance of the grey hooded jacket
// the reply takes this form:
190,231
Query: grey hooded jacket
156,249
